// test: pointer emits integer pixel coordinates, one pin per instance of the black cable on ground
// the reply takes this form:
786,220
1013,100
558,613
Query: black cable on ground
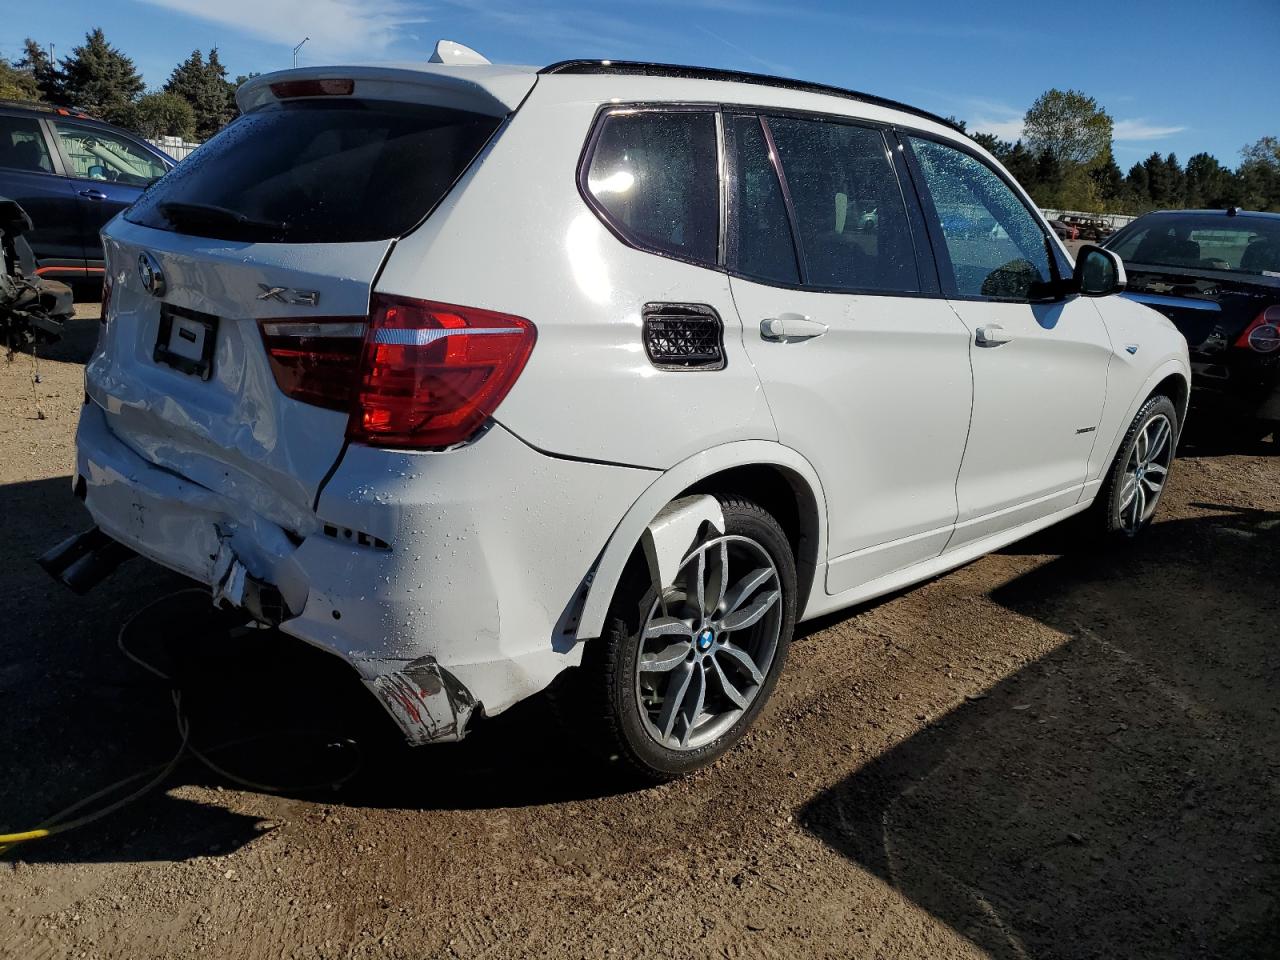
60,822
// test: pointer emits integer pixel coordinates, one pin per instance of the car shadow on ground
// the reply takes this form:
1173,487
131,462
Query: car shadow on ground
77,715
1116,797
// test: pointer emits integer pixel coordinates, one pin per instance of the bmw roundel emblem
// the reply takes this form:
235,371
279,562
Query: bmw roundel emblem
151,275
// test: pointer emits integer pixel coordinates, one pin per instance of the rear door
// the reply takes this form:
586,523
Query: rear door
865,366
275,229
29,174
107,171
1039,367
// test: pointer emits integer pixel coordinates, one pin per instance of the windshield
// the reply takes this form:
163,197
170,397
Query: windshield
318,171
1203,242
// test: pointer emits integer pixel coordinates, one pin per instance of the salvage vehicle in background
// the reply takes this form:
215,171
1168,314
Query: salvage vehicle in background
1064,231
483,377
1216,275
32,309
72,174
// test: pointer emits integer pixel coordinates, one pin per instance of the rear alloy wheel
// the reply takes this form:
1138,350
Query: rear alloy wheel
1141,468
687,665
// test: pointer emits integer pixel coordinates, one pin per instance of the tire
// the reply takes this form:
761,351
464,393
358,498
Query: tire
1139,474
636,716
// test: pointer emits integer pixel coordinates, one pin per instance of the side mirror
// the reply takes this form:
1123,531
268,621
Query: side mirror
1099,272
97,172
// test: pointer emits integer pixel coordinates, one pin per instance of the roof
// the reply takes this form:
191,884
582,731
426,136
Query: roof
1220,212
645,69
37,107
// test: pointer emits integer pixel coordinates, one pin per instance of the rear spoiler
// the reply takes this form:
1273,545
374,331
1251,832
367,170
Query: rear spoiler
491,90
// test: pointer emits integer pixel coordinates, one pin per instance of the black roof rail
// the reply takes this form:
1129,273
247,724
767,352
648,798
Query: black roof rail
38,107
640,68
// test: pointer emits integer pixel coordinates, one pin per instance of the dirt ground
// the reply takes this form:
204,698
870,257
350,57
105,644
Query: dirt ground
1043,754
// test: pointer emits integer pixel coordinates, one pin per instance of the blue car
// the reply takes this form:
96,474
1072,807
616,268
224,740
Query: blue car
71,174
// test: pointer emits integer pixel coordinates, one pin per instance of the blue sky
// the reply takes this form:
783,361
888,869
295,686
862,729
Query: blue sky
1176,75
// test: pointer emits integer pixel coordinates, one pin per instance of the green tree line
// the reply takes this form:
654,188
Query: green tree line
195,102
1064,159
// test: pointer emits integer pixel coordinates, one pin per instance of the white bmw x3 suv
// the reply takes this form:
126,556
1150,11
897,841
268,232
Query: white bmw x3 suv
473,374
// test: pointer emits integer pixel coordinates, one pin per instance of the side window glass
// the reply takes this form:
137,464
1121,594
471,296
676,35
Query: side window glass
760,243
997,249
854,233
98,155
655,175
22,145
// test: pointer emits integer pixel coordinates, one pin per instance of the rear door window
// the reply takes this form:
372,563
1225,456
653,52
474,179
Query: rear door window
318,171
760,241
654,176
854,233
996,248
22,145
102,155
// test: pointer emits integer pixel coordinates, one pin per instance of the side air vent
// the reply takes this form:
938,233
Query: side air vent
683,336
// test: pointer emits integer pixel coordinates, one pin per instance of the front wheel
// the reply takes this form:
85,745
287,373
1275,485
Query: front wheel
1141,468
686,666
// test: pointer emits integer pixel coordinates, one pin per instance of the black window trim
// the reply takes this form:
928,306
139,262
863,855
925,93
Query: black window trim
933,263
1058,266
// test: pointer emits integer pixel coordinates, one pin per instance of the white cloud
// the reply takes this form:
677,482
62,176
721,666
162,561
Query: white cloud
1009,128
1141,130
360,29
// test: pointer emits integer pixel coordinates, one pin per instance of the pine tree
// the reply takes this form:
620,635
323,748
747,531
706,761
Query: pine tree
36,62
101,79
1108,181
203,84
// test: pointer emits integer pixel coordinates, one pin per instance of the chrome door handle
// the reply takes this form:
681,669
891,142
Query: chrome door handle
93,194
992,335
790,328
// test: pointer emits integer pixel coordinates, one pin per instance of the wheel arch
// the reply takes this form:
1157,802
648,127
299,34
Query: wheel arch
771,474
1172,378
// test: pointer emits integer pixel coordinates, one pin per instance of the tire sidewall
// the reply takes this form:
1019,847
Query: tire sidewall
656,761
1115,479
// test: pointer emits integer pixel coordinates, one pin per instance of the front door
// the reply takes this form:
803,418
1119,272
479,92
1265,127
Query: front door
108,172
29,176
1039,367
865,367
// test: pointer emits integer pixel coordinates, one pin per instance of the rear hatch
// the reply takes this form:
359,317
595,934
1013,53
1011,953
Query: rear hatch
271,237
1211,308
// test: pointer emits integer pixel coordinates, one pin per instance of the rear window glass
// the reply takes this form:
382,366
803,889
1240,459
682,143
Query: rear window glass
1237,245
318,171
852,220
654,174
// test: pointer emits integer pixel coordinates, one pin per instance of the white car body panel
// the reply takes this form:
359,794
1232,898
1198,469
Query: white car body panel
584,289
1037,403
885,432
468,578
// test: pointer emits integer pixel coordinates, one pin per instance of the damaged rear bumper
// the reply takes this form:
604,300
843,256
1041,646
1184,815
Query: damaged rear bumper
445,600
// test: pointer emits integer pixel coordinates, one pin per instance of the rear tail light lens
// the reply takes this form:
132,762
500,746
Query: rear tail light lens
432,373
417,374
315,360
1263,335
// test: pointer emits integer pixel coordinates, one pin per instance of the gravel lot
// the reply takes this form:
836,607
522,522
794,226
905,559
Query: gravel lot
1043,754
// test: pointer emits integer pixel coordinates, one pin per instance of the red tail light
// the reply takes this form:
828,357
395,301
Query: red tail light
418,374
315,360
1263,335
432,373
